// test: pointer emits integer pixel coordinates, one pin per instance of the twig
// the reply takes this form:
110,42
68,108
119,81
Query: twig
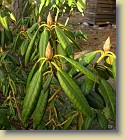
53,96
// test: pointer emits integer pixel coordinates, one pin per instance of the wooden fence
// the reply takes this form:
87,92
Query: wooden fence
100,12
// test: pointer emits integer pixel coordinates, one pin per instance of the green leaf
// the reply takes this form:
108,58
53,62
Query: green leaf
95,101
84,60
114,68
41,5
80,121
42,103
47,2
80,5
32,95
3,55
88,85
70,2
87,123
4,20
24,46
9,1
68,123
17,42
73,92
81,68
87,58
4,122
109,96
30,47
64,41
30,30
2,76
103,122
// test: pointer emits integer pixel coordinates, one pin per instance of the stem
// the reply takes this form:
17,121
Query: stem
43,25
101,57
47,72
68,119
57,14
55,65
67,20
53,96
109,52
51,120
16,104
13,93
59,56
78,76
99,51
43,63
42,58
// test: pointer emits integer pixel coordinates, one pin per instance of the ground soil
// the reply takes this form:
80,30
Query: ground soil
97,35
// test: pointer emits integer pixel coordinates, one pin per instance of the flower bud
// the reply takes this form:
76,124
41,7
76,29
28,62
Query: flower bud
49,19
39,19
1,50
23,28
107,45
49,51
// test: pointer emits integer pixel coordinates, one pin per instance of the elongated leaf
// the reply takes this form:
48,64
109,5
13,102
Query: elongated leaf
80,121
114,68
14,87
44,39
84,60
64,41
2,76
73,92
47,2
41,5
103,123
31,74
88,85
9,12
4,20
3,55
70,2
95,101
88,57
24,47
29,49
9,36
9,1
30,30
42,103
72,39
68,123
32,95
109,96
88,123
80,5
81,68
4,122
17,42
40,109
61,51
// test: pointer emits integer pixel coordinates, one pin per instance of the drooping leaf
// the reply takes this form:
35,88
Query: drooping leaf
82,69
73,92
109,96
114,68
